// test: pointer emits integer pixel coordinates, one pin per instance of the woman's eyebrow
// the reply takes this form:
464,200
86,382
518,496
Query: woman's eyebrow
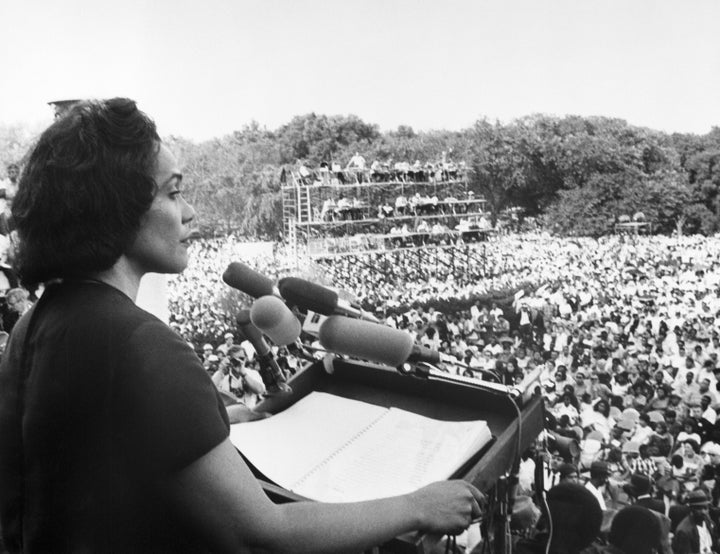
174,176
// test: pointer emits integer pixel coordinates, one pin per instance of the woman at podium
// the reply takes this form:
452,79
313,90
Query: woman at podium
113,438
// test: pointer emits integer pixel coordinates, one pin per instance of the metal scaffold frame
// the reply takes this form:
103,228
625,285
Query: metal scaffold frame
357,227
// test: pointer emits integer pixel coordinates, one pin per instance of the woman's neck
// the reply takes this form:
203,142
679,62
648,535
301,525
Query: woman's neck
122,277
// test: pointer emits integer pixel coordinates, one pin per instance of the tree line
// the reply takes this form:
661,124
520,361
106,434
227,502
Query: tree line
574,175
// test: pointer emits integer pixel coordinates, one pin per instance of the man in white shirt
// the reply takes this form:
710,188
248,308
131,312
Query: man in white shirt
599,474
708,413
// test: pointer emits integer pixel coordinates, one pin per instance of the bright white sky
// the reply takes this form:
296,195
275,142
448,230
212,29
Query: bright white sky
203,68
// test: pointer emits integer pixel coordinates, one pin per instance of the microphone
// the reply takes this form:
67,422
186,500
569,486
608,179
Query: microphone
375,342
317,298
392,347
270,315
270,371
245,279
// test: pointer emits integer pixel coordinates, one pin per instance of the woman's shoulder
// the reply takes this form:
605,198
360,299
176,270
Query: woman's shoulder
98,318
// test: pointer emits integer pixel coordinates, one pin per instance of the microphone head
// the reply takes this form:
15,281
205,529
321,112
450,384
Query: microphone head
248,330
366,340
308,295
274,318
242,277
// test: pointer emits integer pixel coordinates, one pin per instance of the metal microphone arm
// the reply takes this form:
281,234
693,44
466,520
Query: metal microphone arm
427,371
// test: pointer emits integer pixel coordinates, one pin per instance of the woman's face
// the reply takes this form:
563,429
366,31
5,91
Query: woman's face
162,241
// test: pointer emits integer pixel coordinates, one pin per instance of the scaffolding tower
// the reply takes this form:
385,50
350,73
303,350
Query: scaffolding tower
325,219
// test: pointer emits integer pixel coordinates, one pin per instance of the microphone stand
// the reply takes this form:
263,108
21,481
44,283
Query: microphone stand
426,371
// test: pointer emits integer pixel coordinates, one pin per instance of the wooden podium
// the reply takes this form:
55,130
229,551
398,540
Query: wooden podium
437,399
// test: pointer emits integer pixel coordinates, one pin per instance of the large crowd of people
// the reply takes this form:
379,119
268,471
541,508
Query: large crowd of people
624,331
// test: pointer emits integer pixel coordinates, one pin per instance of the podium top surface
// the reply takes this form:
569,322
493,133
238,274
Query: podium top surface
513,428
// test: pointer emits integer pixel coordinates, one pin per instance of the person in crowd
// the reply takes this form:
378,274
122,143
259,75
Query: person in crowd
571,524
640,489
8,190
568,473
229,342
112,435
696,533
207,351
17,303
710,453
235,377
634,530
599,474
692,461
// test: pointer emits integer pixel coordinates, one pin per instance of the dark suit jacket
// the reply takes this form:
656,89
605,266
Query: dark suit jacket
653,504
687,538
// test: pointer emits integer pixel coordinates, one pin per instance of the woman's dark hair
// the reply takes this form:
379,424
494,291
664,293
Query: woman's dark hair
691,423
602,407
87,182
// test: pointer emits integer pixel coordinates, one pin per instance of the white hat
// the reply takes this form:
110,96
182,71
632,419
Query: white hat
711,448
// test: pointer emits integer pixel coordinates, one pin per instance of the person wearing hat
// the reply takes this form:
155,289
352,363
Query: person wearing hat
207,351
597,484
211,364
640,489
568,473
225,346
696,533
622,431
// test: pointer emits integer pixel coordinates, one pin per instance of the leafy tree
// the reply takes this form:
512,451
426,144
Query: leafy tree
591,210
495,164
15,140
319,138
697,218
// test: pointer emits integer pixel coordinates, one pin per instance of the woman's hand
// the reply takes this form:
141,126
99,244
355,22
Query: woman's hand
447,507
240,413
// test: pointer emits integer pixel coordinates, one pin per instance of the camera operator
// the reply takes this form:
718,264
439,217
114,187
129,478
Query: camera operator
234,376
